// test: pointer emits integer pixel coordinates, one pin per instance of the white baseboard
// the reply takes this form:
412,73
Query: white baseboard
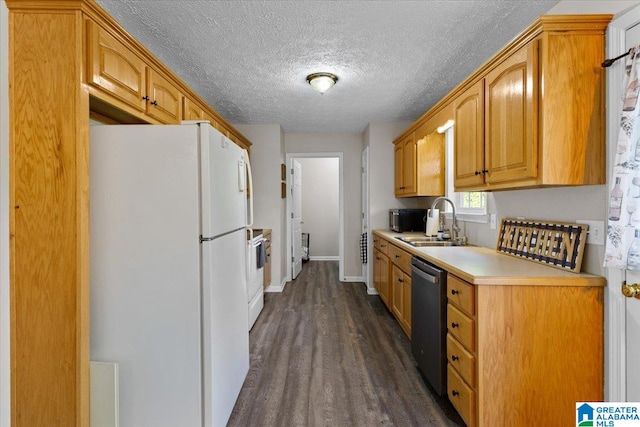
324,258
352,279
277,288
372,291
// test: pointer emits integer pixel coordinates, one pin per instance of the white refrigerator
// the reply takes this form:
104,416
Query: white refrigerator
169,218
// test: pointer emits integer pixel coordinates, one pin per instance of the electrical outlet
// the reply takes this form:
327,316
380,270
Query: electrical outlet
595,233
493,221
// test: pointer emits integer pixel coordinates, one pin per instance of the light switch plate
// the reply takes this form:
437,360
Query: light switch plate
493,221
595,234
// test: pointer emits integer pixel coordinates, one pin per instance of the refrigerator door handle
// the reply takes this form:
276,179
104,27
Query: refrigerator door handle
250,189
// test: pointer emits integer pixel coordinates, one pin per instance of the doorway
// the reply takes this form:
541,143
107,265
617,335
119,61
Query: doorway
315,207
622,318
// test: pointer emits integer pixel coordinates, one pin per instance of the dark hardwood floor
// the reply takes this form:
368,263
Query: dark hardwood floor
324,353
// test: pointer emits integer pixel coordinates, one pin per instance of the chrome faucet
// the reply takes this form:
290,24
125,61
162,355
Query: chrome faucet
455,229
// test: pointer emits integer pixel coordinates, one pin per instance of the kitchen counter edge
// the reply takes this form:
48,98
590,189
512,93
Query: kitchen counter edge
484,266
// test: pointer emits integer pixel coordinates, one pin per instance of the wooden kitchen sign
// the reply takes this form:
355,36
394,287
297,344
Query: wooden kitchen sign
556,244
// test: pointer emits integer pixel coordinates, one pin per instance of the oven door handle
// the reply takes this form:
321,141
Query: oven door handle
429,278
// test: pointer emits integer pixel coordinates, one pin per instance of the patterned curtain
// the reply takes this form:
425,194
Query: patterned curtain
623,236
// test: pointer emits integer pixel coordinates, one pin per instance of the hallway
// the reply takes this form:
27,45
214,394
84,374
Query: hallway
324,353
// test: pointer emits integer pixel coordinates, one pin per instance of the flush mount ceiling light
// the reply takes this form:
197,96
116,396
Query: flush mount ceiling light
322,82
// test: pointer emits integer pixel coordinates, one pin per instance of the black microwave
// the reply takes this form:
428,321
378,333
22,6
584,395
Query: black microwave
401,220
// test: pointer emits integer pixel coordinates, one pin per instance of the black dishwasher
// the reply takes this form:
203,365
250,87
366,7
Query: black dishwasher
429,322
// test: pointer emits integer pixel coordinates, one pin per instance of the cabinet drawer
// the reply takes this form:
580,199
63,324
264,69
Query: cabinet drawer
400,258
461,360
461,293
382,245
462,327
461,396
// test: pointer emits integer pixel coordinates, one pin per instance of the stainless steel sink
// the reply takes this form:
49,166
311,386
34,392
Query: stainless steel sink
434,243
409,239
425,241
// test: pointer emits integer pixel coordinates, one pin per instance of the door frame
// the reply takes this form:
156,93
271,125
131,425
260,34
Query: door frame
288,158
364,176
615,303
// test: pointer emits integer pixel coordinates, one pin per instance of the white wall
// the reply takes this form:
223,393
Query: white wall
350,145
321,205
4,220
269,207
379,138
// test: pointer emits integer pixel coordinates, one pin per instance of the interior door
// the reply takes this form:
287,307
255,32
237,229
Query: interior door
633,305
296,218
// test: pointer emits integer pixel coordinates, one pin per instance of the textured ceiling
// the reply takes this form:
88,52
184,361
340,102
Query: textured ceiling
394,59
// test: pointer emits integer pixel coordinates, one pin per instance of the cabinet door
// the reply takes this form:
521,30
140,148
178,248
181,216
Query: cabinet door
165,100
191,111
409,154
397,160
430,165
397,280
385,292
511,117
406,305
468,137
381,275
115,69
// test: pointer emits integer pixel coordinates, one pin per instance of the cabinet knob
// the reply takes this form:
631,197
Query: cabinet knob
454,358
454,325
455,393
485,171
400,280
631,291
145,98
397,256
154,103
454,292
401,188
477,173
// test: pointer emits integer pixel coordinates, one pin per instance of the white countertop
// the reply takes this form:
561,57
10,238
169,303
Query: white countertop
483,266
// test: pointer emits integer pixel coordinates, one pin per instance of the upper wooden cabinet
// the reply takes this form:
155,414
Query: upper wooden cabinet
533,115
405,166
118,72
165,100
191,111
468,137
128,85
511,106
419,165
495,121
115,69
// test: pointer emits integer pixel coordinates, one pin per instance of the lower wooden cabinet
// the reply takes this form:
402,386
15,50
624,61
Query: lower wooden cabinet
518,353
381,275
392,279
